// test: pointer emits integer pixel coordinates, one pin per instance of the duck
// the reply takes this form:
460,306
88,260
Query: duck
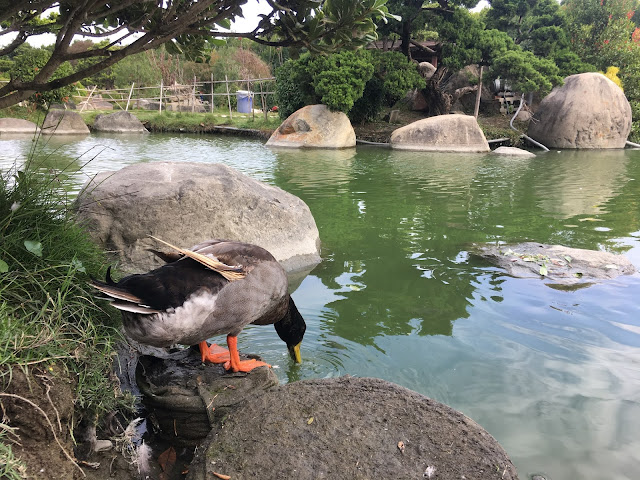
215,287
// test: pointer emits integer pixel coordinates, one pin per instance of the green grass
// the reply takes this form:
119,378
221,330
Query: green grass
47,312
32,114
11,468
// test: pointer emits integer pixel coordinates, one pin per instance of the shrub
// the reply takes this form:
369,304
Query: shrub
357,83
47,312
339,79
394,75
293,86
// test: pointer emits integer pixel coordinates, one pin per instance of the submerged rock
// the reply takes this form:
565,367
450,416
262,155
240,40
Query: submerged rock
556,263
355,428
513,152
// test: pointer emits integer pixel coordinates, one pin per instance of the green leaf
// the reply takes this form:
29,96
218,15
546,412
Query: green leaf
224,23
34,247
4,268
77,264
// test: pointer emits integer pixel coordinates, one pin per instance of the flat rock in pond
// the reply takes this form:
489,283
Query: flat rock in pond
351,428
17,126
513,152
556,263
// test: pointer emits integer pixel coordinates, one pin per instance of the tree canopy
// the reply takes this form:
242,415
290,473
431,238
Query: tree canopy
186,26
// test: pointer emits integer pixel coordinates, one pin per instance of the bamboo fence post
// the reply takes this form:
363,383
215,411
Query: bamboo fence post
253,110
211,106
193,105
226,82
263,102
129,99
160,104
88,98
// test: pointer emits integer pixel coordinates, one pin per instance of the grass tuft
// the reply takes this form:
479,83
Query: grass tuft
47,312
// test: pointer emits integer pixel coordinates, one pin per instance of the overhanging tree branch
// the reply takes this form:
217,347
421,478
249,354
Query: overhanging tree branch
319,26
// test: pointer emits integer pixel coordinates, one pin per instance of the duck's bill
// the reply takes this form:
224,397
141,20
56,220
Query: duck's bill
294,351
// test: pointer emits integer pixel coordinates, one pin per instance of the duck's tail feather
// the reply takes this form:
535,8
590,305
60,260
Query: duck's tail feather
230,272
121,299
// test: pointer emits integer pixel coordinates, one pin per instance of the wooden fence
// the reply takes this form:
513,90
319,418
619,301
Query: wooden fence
179,97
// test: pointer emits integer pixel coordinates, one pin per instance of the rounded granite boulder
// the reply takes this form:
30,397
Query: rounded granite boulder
119,122
442,133
185,203
314,126
588,111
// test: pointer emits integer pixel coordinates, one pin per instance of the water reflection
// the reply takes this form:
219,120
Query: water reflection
553,375
581,183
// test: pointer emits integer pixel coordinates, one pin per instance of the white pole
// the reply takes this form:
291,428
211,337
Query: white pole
211,93
129,99
160,105
226,82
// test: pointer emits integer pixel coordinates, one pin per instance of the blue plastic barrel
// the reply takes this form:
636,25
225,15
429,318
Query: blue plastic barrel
245,101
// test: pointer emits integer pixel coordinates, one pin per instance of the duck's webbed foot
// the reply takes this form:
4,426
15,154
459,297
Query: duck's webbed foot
235,364
213,353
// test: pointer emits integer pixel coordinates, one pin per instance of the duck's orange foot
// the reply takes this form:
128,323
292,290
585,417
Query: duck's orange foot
213,353
245,365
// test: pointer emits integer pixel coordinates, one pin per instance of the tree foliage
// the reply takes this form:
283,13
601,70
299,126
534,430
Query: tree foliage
27,65
359,84
602,32
185,26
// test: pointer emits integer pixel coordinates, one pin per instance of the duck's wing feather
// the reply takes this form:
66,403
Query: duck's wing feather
230,272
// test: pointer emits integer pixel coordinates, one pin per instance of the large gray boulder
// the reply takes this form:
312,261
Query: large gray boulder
64,122
349,428
588,111
443,133
17,126
314,126
119,122
185,203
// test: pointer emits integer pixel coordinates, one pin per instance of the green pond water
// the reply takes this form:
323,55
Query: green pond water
553,375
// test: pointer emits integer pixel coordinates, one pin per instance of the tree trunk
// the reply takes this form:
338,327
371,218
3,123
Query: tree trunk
406,39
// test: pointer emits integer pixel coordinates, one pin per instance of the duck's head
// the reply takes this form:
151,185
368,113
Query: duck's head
291,329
